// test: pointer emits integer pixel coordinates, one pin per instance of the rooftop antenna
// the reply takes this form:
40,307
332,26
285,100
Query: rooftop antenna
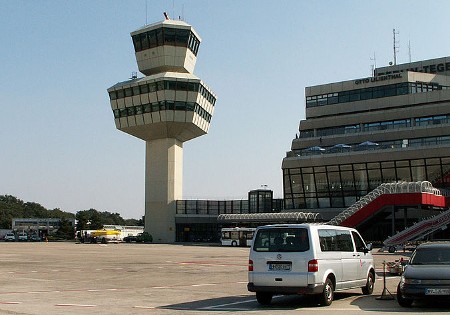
146,11
395,46
166,15
133,75
374,64
409,50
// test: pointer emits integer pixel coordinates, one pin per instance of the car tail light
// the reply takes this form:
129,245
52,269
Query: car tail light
250,265
313,265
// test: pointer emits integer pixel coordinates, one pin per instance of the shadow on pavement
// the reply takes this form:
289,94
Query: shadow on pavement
248,302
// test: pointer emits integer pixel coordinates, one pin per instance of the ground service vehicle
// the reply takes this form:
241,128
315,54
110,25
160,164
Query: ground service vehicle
308,259
427,275
105,236
235,236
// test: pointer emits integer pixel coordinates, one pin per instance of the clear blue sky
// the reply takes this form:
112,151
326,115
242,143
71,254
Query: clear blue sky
58,142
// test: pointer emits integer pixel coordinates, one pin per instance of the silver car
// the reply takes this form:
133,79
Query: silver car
427,275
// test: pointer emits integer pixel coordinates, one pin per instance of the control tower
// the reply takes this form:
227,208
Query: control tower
165,108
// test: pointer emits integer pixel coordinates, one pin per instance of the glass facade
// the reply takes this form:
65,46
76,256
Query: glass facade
372,93
338,186
376,126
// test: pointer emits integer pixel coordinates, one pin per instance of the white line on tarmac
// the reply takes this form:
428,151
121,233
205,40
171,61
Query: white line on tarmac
77,305
145,307
228,304
202,284
7,302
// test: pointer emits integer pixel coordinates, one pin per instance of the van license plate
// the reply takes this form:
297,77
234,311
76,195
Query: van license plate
280,267
437,291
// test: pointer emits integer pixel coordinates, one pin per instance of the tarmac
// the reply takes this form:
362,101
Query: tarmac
72,278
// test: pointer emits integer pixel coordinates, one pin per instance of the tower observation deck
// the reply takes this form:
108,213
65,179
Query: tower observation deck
165,108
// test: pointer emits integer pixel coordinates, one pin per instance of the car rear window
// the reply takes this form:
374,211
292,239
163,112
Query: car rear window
281,240
431,256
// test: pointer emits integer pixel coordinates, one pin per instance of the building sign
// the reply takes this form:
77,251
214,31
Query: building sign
379,78
432,68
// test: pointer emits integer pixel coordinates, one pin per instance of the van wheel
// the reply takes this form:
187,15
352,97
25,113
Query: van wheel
326,297
368,288
264,298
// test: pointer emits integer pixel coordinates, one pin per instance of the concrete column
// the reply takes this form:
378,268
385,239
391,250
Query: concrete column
163,186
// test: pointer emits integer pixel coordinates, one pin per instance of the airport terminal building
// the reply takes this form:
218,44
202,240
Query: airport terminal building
357,134
392,127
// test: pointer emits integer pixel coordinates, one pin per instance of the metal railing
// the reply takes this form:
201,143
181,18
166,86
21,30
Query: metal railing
385,188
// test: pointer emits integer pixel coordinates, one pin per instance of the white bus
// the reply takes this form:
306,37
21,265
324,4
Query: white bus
237,236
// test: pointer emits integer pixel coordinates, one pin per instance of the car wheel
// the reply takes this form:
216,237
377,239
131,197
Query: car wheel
401,300
327,295
368,288
391,249
264,298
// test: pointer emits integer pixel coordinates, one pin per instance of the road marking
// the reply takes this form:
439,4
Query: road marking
202,284
228,304
8,302
76,305
145,307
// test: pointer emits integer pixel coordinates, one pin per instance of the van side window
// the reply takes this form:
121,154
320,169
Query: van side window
327,239
359,243
335,240
344,241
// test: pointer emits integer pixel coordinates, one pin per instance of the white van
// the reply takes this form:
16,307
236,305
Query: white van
308,259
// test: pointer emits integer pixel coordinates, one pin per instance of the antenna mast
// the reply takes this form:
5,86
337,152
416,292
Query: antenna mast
409,50
374,65
395,46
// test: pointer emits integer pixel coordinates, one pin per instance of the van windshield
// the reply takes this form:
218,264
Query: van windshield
281,240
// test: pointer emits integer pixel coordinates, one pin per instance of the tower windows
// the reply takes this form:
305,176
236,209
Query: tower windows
161,86
166,36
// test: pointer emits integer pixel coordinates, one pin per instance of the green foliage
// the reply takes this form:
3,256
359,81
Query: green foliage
66,230
12,207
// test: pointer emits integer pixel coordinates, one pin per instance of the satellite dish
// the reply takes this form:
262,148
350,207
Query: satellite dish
390,63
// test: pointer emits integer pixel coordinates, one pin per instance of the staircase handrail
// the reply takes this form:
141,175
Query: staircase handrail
385,188
433,223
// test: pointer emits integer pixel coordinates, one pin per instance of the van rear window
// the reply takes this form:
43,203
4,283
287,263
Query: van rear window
281,240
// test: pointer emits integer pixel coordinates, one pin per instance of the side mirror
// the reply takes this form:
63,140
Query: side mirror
368,248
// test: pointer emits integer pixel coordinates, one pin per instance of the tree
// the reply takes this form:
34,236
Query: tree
66,230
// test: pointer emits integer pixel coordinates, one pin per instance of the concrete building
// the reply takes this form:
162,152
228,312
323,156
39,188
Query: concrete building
165,108
392,127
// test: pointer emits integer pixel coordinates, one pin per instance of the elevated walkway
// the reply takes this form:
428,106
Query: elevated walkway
390,194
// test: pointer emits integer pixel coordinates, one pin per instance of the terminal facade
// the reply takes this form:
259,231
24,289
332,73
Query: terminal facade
358,134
